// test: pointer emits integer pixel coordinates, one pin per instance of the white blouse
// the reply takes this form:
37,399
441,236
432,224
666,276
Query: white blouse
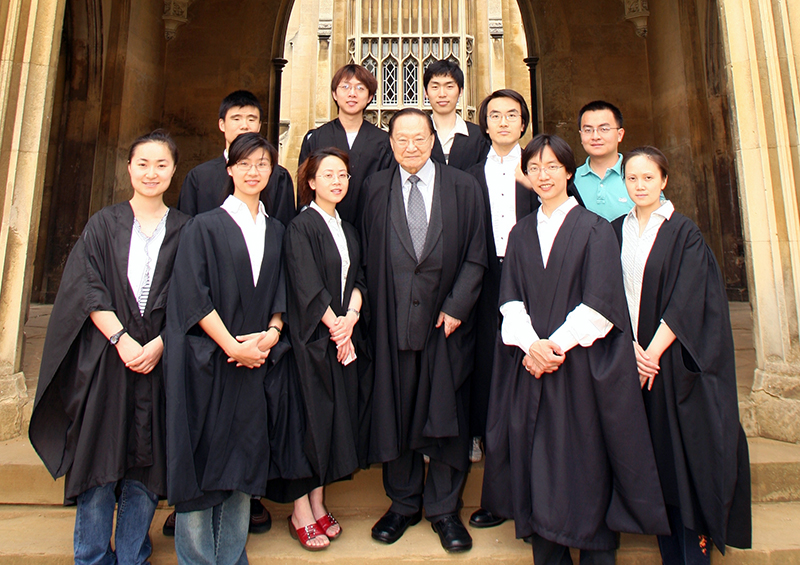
253,231
142,259
334,224
635,251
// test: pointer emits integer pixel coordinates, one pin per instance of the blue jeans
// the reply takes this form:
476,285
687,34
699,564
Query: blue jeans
215,536
94,521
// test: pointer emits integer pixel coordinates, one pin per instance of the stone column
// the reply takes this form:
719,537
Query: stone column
30,42
760,37
534,109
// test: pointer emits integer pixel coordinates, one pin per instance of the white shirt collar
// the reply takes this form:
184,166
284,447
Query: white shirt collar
665,211
513,156
325,216
236,206
459,127
426,174
558,213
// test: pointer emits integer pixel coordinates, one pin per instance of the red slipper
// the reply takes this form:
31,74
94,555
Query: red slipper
306,534
327,522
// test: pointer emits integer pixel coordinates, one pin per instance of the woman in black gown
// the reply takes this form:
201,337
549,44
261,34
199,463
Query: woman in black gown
99,410
684,352
325,293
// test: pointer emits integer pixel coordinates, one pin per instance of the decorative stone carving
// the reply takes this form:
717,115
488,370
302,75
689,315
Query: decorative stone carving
496,28
175,15
324,30
636,12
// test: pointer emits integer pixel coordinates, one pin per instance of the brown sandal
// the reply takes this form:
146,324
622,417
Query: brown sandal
326,523
306,534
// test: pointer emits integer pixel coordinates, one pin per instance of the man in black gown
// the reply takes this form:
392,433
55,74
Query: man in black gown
367,146
206,186
458,143
425,253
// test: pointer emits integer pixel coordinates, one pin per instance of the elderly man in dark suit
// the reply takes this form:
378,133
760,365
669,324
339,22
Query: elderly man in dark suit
425,255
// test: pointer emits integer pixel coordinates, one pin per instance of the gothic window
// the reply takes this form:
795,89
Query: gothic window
399,39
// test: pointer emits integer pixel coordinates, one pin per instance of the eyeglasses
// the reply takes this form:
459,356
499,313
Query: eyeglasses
588,130
345,87
511,117
261,166
403,142
341,177
551,170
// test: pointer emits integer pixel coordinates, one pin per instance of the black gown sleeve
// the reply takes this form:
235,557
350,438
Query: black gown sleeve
187,199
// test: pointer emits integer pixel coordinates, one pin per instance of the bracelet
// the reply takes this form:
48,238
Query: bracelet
354,311
276,328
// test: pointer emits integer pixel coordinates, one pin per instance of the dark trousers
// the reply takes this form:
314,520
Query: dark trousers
684,546
546,552
404,478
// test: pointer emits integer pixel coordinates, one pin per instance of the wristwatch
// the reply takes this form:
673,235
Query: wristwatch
114,339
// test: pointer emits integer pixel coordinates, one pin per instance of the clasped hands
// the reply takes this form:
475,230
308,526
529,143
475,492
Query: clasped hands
252,350
341,333
544,356
140,358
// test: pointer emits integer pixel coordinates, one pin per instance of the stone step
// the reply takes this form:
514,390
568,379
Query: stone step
42,535
775,470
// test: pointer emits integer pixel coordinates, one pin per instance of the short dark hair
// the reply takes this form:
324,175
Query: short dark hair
596,105
362,75
560,148
443,68
155,136
308,170
410,112
239,99
483,111
244,145
652,153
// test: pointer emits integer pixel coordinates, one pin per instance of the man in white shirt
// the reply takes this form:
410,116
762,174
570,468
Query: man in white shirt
457,143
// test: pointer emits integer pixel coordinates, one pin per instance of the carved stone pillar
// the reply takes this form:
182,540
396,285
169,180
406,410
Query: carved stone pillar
28,65
637,12
532,62
274,122
759,39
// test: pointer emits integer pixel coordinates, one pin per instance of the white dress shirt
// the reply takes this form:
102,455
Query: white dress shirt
635,251
253,231
334,224
351,138
583,325
502,184
447,142
143,256
427,176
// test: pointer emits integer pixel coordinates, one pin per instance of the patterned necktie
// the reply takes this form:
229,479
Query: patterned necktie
416,216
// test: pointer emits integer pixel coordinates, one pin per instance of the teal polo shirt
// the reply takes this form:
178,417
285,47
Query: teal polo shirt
607,196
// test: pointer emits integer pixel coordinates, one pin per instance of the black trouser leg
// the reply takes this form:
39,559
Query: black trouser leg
403,480
442,490
684,546
546,552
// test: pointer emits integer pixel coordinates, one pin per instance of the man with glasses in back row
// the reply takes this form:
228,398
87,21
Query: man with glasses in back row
599,180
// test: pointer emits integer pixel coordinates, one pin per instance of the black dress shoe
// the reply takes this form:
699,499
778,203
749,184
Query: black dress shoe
260,520
392,526
169,525
482,518
452,533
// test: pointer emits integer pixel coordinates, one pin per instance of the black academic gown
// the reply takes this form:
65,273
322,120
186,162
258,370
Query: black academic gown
692,409
336,397
370,153
568,455
93,419
228,428
487,309
440,423
466,151
208,185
